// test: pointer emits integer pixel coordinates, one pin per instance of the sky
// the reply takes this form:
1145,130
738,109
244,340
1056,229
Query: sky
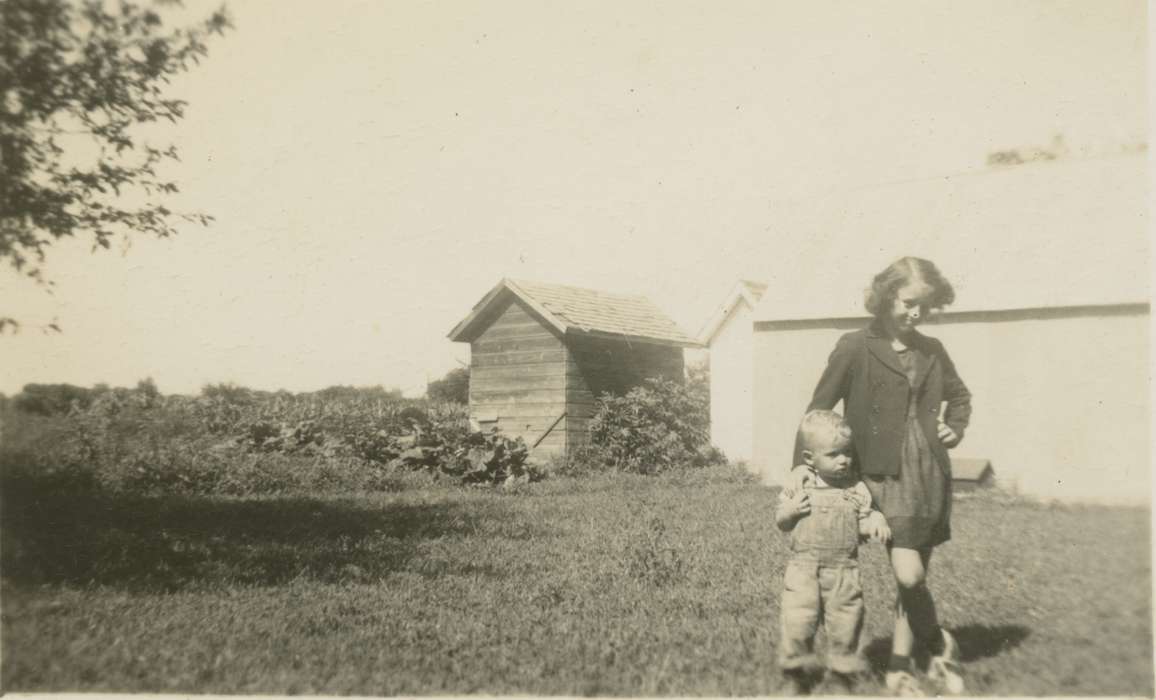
374,168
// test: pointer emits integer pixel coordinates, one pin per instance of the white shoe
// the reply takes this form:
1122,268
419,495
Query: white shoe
944,669
903,684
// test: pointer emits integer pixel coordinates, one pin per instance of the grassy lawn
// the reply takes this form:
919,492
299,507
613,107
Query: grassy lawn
612,585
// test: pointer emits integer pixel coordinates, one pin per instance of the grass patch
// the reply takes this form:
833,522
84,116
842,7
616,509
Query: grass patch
610,585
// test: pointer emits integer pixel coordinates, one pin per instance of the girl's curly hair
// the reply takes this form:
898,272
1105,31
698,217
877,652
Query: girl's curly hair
879,296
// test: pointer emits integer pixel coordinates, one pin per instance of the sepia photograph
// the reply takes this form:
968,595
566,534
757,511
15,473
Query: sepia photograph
381,348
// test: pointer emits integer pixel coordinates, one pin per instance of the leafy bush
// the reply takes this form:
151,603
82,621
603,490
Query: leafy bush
229,393
471,457
60,399
232,440
580,461
52,399
698,379
653,427
339,392
453,387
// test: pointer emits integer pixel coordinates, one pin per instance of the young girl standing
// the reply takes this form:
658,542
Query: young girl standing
892,380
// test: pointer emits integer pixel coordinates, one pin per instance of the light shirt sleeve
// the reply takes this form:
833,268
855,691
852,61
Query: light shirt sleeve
862,498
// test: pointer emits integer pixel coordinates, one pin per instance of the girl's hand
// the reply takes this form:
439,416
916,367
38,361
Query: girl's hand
947,436
875,527
799,478
881,530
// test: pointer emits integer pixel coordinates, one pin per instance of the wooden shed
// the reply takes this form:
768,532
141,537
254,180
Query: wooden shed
541,353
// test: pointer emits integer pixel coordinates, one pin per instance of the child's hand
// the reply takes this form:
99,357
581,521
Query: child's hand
947,436
794,504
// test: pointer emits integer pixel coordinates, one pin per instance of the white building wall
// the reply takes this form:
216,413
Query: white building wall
1060,397
731,391
787,364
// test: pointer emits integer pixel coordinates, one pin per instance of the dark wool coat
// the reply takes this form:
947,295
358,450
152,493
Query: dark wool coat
864,372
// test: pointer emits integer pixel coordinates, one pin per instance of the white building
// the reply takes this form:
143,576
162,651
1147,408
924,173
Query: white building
1049,330
731,342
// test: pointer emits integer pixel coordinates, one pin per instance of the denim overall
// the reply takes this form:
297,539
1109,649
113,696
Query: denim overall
822,582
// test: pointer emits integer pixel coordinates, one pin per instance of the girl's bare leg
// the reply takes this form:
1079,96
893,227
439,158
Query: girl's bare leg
915,618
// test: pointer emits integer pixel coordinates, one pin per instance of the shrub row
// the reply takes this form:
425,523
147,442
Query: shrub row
139,442
231,440
653,427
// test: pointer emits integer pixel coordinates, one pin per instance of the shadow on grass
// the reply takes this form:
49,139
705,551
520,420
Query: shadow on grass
174,543
975,642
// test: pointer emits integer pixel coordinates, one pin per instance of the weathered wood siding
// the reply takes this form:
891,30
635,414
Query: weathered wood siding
595,366
518,375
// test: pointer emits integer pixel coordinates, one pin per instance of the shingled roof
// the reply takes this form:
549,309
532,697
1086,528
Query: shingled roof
578,311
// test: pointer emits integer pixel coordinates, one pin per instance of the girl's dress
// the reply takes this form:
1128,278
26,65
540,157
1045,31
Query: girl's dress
917,502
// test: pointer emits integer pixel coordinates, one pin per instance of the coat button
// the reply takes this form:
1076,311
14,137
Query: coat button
874,409
931,410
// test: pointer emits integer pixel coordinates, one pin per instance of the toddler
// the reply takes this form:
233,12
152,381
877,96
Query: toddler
825,520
